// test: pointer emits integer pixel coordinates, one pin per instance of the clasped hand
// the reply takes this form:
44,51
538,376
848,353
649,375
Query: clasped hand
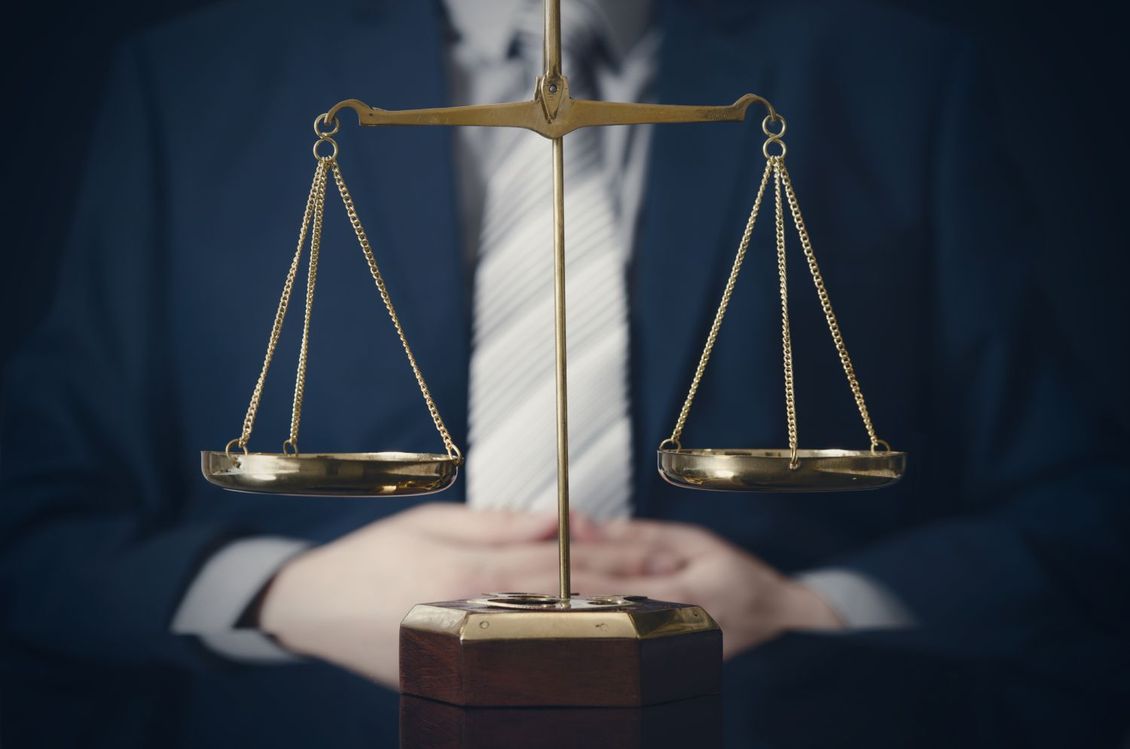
343,602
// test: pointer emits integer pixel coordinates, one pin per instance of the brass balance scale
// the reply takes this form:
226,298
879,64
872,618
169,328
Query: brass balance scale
467,652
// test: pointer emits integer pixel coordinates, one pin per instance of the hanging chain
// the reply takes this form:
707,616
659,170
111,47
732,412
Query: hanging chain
367,249
786,335
775,163
735,269
319,182
291,443
826,305
312,221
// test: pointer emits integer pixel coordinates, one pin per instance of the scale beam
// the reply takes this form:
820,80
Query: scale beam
552,113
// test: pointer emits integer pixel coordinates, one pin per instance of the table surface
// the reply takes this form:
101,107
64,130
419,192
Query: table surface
797,692
808,691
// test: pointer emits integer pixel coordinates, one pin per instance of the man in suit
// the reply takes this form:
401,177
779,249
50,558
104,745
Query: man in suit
997,543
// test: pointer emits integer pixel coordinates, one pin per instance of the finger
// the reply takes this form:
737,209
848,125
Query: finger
677,586
457,522
656,587
681,537
510,566
582,583
584,528
586,582
626,559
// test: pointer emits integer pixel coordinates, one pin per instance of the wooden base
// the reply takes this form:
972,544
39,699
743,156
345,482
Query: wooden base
502,651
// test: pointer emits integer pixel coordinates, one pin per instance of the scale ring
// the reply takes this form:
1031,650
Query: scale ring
381,474
767,470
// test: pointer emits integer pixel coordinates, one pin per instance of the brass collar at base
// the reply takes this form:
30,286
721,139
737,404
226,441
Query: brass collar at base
473,620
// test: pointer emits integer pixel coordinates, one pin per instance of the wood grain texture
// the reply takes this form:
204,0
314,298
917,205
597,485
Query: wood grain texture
553,672
431,665
613,672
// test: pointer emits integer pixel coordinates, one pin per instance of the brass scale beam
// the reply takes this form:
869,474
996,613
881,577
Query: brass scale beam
553,114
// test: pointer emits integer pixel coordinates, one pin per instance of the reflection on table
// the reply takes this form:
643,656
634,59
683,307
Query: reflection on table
425,724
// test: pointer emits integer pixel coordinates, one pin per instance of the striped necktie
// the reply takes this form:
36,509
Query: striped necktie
511,461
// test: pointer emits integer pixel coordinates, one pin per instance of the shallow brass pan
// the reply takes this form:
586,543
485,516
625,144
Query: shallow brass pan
384,474
758,470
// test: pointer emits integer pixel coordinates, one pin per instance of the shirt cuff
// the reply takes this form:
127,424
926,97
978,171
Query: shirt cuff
222,590
859,601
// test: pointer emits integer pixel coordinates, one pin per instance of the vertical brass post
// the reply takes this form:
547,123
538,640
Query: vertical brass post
552,38
553,71
562,386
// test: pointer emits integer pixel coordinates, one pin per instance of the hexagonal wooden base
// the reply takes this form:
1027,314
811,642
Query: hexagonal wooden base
609,652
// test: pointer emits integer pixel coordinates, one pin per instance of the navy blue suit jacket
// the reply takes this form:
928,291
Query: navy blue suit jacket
1002,539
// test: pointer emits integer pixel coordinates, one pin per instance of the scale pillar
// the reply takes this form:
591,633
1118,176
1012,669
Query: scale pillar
533,650
564,582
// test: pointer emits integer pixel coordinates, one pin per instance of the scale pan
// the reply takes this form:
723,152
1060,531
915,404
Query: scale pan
754,470
387,474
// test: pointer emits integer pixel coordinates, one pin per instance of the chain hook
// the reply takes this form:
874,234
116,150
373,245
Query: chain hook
774,137
323,119
325,136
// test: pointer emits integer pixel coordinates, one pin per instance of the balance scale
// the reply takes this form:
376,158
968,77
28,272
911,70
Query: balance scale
541,649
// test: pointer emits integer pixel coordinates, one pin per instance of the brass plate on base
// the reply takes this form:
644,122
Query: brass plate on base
756,470
533,616
385,474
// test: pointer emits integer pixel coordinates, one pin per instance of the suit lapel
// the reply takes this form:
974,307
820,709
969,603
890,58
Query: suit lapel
702,179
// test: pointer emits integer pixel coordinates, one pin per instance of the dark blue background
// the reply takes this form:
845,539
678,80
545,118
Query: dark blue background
1060,74
1059,79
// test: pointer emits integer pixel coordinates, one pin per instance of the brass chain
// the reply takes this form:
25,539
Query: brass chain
830,316
786,335
312,222
291,443
735,269
280,311
367,249
775,163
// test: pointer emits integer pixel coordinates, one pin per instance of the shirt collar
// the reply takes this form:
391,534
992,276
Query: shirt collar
487,27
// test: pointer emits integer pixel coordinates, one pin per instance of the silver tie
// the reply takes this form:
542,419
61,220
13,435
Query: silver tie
511,461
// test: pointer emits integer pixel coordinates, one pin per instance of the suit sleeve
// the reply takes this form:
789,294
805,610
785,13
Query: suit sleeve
93,559
1038,551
